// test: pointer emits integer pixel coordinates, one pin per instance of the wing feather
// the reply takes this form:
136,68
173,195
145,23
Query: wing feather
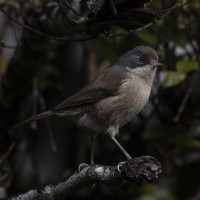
84,97
104,86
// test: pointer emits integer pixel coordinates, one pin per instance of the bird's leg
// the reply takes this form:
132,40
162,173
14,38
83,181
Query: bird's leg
83,165
93,136
121,148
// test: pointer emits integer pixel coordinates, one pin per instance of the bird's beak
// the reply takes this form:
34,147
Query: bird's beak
156,64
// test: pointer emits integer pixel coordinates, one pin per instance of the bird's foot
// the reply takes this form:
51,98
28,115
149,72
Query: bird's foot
120,165
82,166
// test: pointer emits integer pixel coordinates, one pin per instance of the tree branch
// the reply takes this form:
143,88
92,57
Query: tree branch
141,169
61,22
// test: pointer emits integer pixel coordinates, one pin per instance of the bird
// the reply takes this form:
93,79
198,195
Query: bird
114,98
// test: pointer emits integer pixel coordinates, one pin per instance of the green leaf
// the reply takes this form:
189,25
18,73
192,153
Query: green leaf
173,78
185,66
191,143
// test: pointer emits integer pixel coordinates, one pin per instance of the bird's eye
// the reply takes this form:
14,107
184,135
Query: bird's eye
142,58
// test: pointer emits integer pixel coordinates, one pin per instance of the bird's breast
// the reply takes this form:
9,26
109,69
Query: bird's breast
134,96
131,98
134,93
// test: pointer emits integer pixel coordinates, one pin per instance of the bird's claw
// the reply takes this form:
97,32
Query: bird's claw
82,166
120,165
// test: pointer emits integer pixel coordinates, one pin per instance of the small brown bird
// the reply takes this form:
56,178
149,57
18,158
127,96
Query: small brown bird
113,98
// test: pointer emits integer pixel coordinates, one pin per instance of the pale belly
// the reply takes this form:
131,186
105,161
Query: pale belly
111,113
120,109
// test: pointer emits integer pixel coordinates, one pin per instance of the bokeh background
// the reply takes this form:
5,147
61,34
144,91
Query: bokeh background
45,72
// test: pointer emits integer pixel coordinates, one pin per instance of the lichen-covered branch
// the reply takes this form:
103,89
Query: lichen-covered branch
141,169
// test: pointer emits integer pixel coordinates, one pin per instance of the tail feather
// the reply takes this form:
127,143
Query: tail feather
36,117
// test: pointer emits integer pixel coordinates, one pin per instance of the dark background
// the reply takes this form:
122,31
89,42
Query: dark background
168,128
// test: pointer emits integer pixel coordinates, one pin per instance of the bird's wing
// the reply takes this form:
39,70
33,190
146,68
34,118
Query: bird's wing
104,86
83,97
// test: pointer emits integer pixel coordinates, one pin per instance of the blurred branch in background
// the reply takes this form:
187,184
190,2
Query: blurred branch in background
88,19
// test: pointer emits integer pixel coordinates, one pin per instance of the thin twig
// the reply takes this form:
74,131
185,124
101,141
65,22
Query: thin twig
3,176
176,5
128,32
11,147
44,34
185,99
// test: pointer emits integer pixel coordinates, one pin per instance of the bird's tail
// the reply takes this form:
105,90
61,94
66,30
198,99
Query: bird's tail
36,117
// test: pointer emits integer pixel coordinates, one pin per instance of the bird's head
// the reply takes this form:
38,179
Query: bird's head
142,61
140,56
